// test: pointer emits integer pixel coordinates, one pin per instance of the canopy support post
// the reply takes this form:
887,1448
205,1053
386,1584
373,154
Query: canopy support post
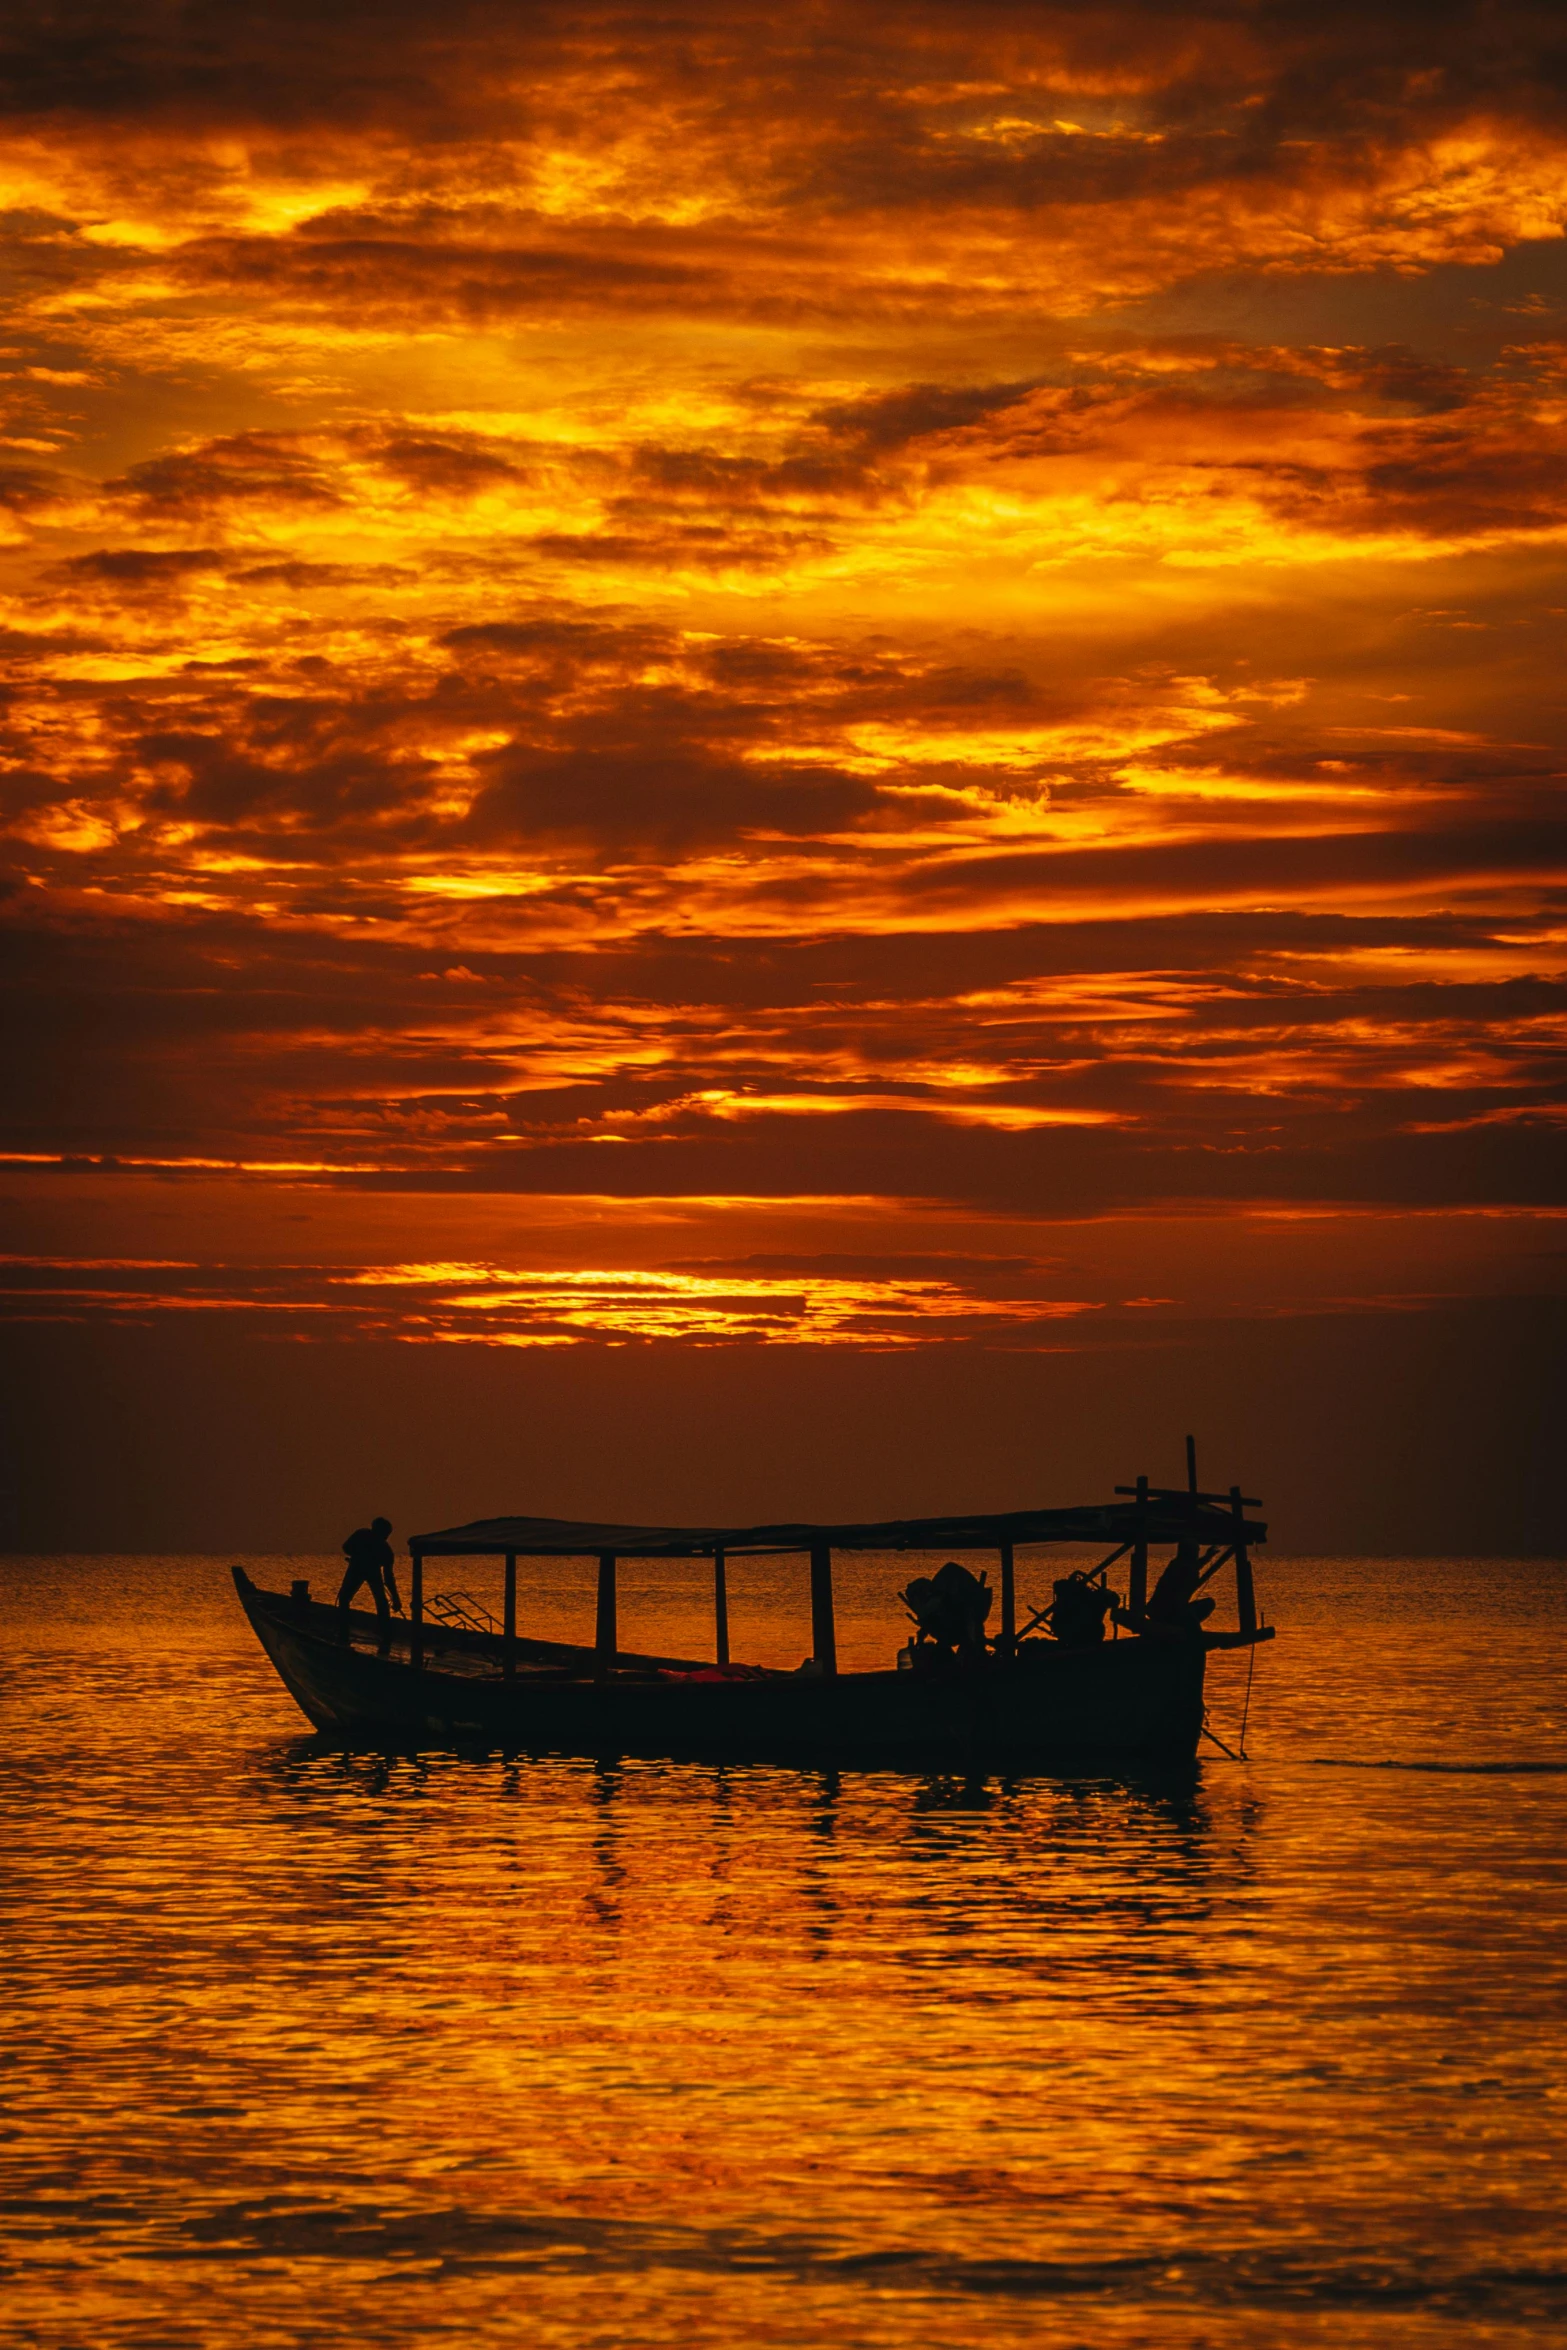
1137,1593
1245,1589
824,1642
720,1608
605,1641
416,1609
509,1619
1008,1602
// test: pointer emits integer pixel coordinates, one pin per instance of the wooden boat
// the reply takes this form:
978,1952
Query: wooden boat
1016,1697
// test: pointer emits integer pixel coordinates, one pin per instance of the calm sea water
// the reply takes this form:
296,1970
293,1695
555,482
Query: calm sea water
304,2048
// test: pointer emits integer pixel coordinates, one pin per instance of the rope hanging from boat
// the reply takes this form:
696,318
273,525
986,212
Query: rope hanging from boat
1251,1667
1236,1754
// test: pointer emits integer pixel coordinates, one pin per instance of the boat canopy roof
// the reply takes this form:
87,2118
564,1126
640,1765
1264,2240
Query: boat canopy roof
1165,1517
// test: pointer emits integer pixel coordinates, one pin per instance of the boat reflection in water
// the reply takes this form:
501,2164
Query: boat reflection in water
1053,1688
385,2043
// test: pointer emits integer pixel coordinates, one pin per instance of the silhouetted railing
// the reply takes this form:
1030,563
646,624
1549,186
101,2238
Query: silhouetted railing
461,1610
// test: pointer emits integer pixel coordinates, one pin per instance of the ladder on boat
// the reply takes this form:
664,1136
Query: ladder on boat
461,1611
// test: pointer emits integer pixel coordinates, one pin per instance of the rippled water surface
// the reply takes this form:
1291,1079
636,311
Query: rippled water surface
304,2048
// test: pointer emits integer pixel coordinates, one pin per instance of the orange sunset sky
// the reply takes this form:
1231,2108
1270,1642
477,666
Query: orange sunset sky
782,759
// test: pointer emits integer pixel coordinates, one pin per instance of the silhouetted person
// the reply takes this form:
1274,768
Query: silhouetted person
1175,1604
369,1557
1078,1611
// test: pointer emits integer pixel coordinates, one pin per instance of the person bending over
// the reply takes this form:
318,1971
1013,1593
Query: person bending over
369,1557
1175,1605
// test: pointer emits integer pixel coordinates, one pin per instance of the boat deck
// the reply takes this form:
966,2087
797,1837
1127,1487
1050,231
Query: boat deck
480,1656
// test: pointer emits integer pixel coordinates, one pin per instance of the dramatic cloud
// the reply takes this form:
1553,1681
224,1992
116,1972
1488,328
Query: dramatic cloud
951,607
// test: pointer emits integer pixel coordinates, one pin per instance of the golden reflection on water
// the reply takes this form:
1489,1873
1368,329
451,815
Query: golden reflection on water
311,2048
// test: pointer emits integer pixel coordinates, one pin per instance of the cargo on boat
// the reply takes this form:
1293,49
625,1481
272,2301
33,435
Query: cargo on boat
1096,1674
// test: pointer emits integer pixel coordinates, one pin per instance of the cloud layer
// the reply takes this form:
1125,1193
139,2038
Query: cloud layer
960,607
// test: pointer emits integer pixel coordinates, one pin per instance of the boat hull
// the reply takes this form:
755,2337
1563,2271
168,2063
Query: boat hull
1126,1699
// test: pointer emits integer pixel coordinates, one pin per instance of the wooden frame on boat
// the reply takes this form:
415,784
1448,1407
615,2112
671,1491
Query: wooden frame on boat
1016,1697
